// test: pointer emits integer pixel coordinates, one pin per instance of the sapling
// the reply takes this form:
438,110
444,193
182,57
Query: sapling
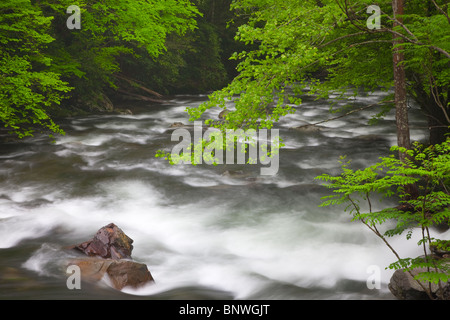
428,168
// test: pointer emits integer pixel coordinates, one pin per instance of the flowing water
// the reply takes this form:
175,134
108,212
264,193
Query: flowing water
205,232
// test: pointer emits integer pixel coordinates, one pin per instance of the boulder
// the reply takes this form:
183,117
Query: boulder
446,293
109,242
92,269
123,111
120,273
108,254
404,287
126,273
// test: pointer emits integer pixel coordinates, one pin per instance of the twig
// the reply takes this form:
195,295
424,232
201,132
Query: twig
441,10
342,37
434,88
348,113
395,20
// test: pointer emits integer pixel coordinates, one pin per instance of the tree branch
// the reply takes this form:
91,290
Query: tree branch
348,113
345,8
369,42
135,82
342,37
416,42
396,21
441,10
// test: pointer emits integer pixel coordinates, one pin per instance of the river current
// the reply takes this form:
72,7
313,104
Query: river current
205,232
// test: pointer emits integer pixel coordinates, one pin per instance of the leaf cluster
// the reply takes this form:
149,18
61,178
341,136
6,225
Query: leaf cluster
28,89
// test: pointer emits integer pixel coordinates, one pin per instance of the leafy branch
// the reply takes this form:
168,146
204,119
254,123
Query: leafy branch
429,169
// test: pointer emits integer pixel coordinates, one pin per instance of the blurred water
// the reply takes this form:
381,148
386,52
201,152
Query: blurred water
205,232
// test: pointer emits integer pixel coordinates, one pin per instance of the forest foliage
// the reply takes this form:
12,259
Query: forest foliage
256,53
49,70
325,47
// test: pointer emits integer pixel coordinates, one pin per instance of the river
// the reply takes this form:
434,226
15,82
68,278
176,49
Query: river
205,232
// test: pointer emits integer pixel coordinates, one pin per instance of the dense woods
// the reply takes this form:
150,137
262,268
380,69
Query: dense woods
140,50
326,47
250,48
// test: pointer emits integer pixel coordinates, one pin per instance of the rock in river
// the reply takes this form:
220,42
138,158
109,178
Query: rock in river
108,254
121,273
109,242
404,287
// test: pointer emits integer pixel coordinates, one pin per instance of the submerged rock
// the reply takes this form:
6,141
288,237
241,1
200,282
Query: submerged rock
372,137
235,174
128,273
120,273
177,125
308,128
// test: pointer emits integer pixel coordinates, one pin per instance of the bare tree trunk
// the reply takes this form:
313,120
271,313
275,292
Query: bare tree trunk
401,107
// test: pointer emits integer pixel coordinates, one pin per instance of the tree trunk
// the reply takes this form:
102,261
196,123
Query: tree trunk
401,106
401,102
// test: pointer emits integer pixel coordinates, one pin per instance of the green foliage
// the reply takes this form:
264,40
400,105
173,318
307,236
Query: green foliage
43,62
325,47
213,147
195,62
111,32
427,168
28,87
203,69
